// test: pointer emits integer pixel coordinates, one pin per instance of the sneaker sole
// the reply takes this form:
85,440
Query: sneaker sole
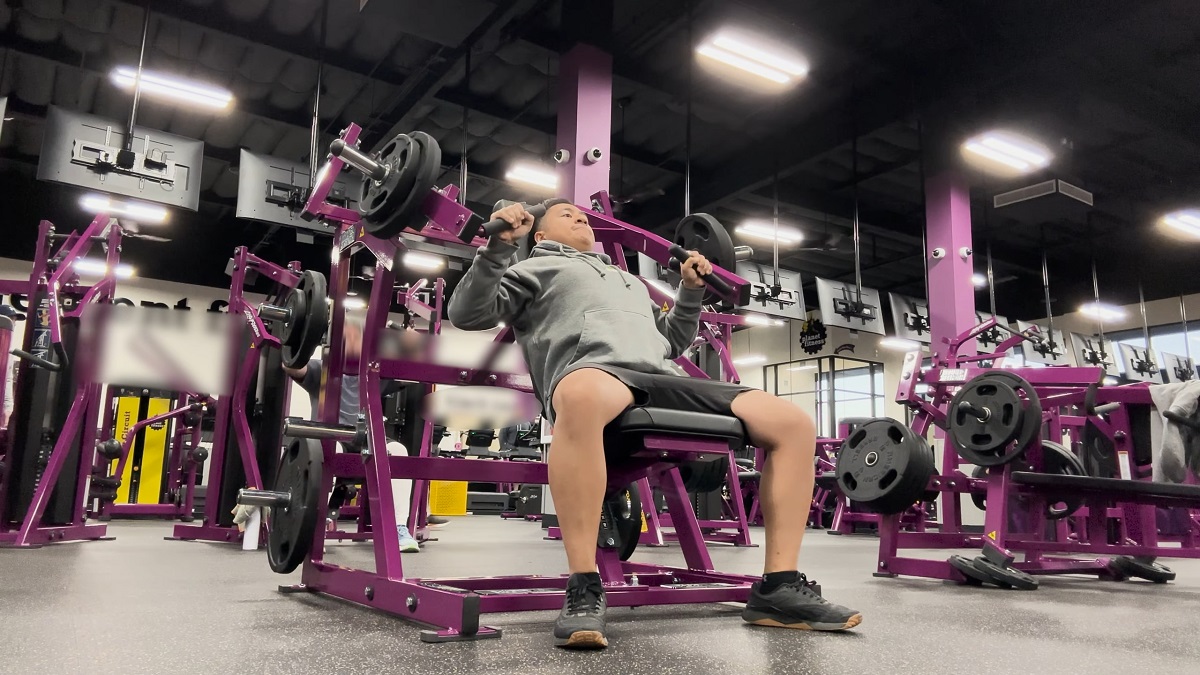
410,549
585,639
803,625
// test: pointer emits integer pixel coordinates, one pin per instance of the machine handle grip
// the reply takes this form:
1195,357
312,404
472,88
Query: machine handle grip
718,284
495,227
36,360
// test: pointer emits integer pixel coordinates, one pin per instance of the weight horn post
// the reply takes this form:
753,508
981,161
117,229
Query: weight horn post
275,313
984,414
271,498
357,159
298,428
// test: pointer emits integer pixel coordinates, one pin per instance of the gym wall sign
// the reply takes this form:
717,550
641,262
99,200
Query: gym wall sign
20,302
813,336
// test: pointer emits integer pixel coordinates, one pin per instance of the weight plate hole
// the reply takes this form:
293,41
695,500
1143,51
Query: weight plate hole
895,434
981,439
888,479
378,200
849,481
1007,417
857,438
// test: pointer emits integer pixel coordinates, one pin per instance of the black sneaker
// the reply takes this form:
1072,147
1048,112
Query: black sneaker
797,605
580,625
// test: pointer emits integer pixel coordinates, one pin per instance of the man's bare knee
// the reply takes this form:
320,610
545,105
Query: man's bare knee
590,396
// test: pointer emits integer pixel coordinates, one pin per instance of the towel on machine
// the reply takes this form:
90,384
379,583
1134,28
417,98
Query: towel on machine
1179,446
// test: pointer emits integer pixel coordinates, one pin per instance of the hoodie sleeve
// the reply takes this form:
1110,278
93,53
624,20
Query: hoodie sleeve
491,291
681,324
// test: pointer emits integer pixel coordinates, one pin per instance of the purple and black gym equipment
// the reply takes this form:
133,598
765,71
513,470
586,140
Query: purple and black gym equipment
43,488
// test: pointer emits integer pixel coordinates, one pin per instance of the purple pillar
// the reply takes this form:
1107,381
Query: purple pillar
951,293
584,121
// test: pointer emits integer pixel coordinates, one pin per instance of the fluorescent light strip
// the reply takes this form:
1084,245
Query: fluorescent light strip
899,344
794,369
767,231
98,268
1187,222
1013,149
144,213
773,61
164,85
532,176
749,359
1102,311
756,319
729,58
978,280
997,156
423,261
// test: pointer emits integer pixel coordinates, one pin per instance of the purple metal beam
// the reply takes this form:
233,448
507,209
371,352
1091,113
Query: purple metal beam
584,121
951,293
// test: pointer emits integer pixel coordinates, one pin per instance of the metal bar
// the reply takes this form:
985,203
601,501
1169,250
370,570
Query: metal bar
137,85
299,428
264,498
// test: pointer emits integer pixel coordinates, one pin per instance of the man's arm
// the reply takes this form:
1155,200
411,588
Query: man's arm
490,291
682,322
297,374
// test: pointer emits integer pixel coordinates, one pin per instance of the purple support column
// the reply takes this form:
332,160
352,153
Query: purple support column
584,121
951,293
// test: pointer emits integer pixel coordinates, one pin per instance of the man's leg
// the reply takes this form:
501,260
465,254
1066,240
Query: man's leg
584,402
401,499
788,436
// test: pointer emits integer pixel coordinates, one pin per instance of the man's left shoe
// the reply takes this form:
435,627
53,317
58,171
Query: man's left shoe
797,605
407,543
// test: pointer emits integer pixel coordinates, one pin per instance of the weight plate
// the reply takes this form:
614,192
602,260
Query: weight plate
884,466
292,330
1005,577
377,199
1062,462
312,322
979,497
626,508
1148,570
291,527
410,214
966,567
705,234
1011,418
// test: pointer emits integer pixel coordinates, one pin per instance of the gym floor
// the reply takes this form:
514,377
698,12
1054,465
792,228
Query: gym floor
140,604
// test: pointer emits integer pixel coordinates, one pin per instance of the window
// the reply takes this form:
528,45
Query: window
832,388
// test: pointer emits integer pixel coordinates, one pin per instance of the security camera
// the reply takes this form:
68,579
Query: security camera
593,155
965,252
562,156
939,253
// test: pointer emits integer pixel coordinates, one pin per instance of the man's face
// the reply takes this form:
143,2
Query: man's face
565,224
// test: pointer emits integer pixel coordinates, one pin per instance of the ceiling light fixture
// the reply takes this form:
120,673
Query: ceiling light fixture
794,369
423,261
979,280
98,268
766,230
1007,152
530,174
166,86
1103,311
899,344
139,211
741,54
1186,221
749,359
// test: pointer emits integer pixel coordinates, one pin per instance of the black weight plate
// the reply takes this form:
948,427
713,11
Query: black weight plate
377,199
1005,577
313,285
979,498
427,165
292,527
884,466
626,508
292,330
1060,461
1150,570
966,567
1033,408
1014,421
704,233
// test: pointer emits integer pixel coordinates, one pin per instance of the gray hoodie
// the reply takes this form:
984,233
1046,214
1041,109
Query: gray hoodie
569,307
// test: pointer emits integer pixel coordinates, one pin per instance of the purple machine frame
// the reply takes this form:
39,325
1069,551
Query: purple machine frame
454,605
53,279
1010,529
231,414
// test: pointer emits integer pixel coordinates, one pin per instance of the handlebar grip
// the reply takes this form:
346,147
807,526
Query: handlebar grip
36,361
718,284
495,227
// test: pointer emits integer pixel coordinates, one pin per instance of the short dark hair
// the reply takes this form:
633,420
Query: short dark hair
530,242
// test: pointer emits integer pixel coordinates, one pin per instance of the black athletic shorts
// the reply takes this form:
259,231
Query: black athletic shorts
676,392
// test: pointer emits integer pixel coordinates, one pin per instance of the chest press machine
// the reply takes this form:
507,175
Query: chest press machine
399,200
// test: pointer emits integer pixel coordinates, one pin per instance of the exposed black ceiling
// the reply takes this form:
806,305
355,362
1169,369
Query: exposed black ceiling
892,84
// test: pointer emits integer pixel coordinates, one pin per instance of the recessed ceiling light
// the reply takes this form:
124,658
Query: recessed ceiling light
1103,311
531,174
1186,221
979,280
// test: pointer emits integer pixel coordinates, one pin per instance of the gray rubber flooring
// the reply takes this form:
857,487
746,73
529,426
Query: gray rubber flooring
140,604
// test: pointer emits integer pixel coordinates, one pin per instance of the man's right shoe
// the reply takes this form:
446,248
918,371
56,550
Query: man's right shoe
581,623
797,605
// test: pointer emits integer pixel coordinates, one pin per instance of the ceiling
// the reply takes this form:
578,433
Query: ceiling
892,86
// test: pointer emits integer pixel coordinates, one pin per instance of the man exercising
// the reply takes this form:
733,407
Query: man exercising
596,345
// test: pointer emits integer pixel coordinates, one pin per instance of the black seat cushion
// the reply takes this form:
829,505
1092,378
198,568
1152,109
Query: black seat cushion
639,421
